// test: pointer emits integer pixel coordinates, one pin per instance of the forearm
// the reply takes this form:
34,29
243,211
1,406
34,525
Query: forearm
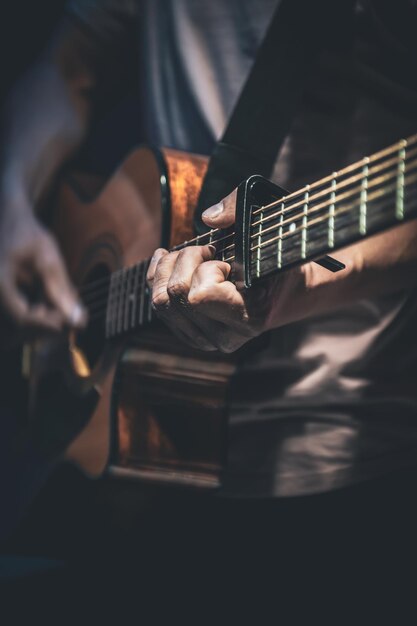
382,264
44,118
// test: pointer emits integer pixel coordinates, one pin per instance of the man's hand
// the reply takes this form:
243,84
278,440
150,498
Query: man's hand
35,291
192,294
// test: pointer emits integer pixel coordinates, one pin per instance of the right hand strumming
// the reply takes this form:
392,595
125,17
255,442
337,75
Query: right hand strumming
35,291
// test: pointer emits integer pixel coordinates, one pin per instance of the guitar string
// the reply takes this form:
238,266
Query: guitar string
403,143
341,184
266,257
356,166
96,314
100,313
317,208
98,294
323,218
407,180
97,306
85,289
376,194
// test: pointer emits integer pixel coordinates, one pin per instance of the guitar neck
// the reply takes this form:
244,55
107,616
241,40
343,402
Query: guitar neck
377,192
360,200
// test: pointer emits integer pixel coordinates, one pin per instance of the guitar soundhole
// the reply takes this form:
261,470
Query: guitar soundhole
89,343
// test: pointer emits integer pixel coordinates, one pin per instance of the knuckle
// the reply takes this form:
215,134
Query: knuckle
164,260
200,271
160,300
177,288
199,296
195,298
183,253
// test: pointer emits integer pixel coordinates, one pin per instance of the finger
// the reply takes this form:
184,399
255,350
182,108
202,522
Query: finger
222,214
173,316
157,255
38,317
186,263
188,260
58,287
41,318
164,267
212,295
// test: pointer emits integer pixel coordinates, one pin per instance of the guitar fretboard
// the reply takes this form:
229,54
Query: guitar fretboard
346,206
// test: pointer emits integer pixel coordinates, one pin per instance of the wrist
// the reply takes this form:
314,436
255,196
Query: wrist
14,196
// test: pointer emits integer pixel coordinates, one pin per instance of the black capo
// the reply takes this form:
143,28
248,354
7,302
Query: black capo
258,191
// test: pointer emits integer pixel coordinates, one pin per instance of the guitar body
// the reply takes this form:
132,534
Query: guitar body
126,398
142,406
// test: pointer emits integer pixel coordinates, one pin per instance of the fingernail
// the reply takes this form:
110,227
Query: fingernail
78,315
214,210
212,249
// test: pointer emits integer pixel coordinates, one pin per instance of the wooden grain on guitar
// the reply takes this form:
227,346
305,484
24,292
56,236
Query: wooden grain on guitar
162,416
172,400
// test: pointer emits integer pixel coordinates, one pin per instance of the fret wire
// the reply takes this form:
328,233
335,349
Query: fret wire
372,159
116,301
399,205
135,296
344,196
116,279
318,250
258,252
392,163
121,301
322,218
341,185
346,170
142,296
117,284
364,198
384,204
330,227
304,224
128,298
111,320
109,314
280,237
375,195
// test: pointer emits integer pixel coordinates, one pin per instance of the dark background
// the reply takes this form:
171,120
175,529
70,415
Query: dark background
25,26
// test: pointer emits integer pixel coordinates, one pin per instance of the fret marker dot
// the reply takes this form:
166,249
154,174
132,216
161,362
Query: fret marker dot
292,227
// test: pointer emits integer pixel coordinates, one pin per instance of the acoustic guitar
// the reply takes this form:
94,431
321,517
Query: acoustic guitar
123,397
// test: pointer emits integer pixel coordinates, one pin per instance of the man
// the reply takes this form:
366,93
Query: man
331,400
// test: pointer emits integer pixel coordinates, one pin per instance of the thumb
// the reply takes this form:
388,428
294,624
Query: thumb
222,214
